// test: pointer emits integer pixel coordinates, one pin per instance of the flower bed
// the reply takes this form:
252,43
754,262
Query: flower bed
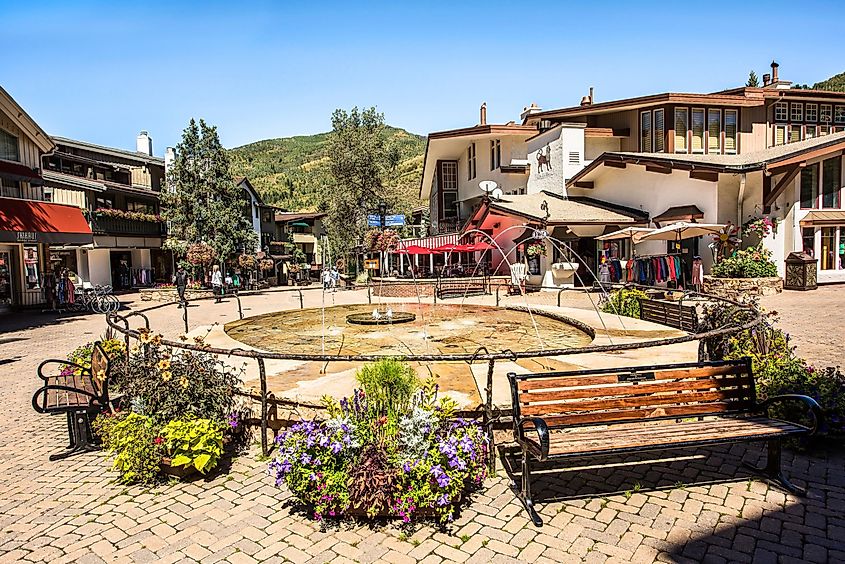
130,215
178,410
392,449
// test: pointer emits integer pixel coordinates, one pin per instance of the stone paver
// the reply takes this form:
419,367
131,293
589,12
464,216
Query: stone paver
74,511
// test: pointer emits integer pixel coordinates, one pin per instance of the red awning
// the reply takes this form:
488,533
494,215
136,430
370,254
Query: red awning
19,172
28,221
451,248
414,250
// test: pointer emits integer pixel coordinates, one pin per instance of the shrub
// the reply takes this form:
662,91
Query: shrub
195,442
170,384
748,263
625,301
391,450
135,444
115,350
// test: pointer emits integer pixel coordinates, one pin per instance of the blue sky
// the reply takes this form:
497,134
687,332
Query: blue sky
102,71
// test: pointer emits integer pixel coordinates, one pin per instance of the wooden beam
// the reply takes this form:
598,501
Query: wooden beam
769,199
704,175
584,184
659,169
829,151
615,164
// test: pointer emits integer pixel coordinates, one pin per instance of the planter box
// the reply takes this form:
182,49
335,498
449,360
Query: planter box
180,472
170,295
733,288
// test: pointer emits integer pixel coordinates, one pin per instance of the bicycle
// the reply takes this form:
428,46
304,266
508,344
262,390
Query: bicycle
98,299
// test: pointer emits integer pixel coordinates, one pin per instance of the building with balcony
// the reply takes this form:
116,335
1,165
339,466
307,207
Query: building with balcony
306,232
29,225
118,190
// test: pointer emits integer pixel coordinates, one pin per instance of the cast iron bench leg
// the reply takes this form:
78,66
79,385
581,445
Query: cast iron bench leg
772,470
525,491
80,439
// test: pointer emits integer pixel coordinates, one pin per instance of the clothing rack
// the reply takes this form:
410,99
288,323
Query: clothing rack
659,268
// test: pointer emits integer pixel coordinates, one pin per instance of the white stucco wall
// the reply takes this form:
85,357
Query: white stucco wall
562,142
509,182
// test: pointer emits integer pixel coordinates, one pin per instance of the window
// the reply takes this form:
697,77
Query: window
32,267
143,207
697,130
826,113
449,175
810,132
809,186
645,132
714,131
780,134
681,125
659,141
103,202
796,112
471,162
10,188
812,112
781,111
450,207
824,129
839,114
730,130
495,154
574,157
808,240
794,133
9,146
831,182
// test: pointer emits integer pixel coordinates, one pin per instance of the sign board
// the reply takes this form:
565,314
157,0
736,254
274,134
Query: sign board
370,264
373,220
394,220
26,236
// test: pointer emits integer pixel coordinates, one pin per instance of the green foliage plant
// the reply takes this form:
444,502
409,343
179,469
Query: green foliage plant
134,442
624,301
194,442
754,262
389,385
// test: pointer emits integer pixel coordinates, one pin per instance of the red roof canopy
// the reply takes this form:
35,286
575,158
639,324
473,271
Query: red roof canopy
41,222
15,171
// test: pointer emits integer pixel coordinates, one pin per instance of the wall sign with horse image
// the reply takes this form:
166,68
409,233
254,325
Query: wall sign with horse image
544,159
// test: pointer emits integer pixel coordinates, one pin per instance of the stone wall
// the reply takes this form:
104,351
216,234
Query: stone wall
170,295
423,287
733,288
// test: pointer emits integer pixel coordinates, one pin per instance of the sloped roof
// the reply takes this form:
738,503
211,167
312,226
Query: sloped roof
109,151
574,210
26,124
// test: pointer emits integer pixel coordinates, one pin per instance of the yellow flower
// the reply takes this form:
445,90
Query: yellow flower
183,382
145,336
166,375
198,340
164,364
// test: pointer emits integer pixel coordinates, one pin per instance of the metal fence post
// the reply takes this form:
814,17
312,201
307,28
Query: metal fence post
185,316
488,416
262,375
497,295
369,294
301,302
240,311
559,292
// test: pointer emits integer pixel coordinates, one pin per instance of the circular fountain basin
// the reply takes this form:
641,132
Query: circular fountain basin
383,318
428,329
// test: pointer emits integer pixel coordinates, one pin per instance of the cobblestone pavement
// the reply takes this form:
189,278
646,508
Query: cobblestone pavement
698,506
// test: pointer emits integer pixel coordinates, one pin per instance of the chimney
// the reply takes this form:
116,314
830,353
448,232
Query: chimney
144,144
483,114
530,110
774,72
591,95
767,78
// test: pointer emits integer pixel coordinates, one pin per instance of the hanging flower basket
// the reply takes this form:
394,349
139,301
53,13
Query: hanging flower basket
535,249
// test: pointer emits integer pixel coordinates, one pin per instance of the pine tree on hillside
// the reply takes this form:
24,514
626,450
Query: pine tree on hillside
753,80
834,83
202,202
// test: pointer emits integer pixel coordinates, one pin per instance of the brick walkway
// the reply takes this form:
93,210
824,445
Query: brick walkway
706,508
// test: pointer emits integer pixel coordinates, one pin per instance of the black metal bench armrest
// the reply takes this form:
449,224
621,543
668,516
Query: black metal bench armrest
542,433
57,361
813,406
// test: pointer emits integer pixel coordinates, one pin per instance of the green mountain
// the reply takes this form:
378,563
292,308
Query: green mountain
834,83
288,171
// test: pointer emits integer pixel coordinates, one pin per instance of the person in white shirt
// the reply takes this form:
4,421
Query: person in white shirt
217,283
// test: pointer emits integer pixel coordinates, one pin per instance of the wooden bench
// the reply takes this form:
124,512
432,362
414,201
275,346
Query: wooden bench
562,415
78,392
460,287
672,314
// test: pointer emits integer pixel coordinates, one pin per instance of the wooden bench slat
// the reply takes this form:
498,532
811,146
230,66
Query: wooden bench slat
527,397
653,400
611,377
695,410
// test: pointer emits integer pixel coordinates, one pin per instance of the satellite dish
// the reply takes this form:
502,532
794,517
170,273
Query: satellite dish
496,193
487,186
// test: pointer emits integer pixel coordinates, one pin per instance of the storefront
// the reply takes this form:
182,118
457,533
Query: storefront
27,229
823,237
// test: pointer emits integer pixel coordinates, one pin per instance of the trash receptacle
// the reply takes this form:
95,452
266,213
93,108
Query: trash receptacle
801,271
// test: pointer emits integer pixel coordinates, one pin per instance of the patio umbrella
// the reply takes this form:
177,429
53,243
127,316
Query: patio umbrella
626,233
480,246
299,224
680,230
414,250
450,248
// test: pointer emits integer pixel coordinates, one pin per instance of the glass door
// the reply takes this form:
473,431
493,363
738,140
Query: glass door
7,279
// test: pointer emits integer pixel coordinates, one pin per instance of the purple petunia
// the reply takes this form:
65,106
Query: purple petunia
443,500
440,475
336,447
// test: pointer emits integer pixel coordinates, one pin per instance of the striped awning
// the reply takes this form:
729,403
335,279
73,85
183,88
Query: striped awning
831,217
431,242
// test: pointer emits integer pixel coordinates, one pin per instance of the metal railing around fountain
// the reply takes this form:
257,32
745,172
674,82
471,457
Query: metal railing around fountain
122,324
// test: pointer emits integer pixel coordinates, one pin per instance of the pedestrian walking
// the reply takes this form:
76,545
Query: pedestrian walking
335,277
327,279
217,283
181,280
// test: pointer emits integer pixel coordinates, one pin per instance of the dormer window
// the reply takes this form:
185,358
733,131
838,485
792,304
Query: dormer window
9,148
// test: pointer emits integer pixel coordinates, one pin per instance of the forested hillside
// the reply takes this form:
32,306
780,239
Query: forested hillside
288,171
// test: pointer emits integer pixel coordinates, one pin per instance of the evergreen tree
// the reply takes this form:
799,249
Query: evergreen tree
201,201
361,158
752,80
